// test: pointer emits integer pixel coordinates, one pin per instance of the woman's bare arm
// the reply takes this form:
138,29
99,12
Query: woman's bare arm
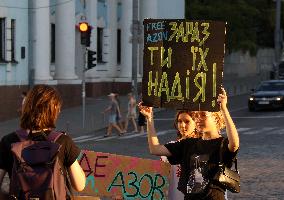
77,176
231,130
154,146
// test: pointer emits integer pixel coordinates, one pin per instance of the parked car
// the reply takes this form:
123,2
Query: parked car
269,94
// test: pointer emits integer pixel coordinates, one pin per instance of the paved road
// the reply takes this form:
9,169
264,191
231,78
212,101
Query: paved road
261,157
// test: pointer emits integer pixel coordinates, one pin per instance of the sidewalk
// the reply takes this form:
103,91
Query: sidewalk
71,119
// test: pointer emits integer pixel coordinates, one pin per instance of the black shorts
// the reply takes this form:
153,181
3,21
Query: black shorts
141,120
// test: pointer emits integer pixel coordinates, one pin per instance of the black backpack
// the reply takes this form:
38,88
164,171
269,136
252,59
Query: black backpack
37,173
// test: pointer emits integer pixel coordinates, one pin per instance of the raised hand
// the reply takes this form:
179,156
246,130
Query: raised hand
222,99
146,111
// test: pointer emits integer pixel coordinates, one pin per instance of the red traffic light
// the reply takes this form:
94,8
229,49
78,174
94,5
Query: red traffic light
83,26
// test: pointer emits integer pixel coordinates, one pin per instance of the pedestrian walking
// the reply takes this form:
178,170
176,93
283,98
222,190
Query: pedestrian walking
199,157
113,110
37,154
141,122
131,113
119,118
141,119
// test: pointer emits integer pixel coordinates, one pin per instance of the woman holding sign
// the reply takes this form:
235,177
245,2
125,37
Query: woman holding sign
186,129
199,157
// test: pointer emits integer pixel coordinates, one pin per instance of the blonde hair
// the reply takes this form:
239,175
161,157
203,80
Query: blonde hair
219,118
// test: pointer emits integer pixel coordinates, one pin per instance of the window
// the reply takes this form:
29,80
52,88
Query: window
7,41
83,2
13,38
118,46
52,46
100,45
2,39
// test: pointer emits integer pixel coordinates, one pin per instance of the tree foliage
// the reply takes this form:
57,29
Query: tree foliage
250,23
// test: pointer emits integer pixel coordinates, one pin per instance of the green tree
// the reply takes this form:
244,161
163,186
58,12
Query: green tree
250,23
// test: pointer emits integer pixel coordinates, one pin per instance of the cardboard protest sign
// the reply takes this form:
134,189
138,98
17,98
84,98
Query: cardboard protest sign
129,177
183,63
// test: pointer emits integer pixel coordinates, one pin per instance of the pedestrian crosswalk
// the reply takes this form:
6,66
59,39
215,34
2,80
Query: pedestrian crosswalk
241,131
264,130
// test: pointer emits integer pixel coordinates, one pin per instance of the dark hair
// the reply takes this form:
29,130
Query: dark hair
179,136
41,108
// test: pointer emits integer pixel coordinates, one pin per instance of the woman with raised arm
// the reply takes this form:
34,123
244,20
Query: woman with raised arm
186,128
199,157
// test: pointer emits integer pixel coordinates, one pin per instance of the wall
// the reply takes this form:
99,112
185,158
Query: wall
15,73
243,72
171,9
11,101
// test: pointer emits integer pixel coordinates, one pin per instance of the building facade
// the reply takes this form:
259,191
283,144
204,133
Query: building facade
40,44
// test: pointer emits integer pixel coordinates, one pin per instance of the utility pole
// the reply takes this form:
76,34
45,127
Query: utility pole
84,85
277,39
135,26
85,31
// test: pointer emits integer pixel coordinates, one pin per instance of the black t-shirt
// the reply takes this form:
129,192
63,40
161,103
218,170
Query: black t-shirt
199,161
67,155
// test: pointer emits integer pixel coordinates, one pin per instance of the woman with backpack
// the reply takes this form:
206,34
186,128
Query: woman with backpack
55,156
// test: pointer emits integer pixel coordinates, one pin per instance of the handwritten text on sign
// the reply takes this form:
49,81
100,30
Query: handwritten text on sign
183,63
130,177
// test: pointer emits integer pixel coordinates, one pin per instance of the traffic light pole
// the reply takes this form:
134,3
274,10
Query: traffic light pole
134,47
84,86
86,30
